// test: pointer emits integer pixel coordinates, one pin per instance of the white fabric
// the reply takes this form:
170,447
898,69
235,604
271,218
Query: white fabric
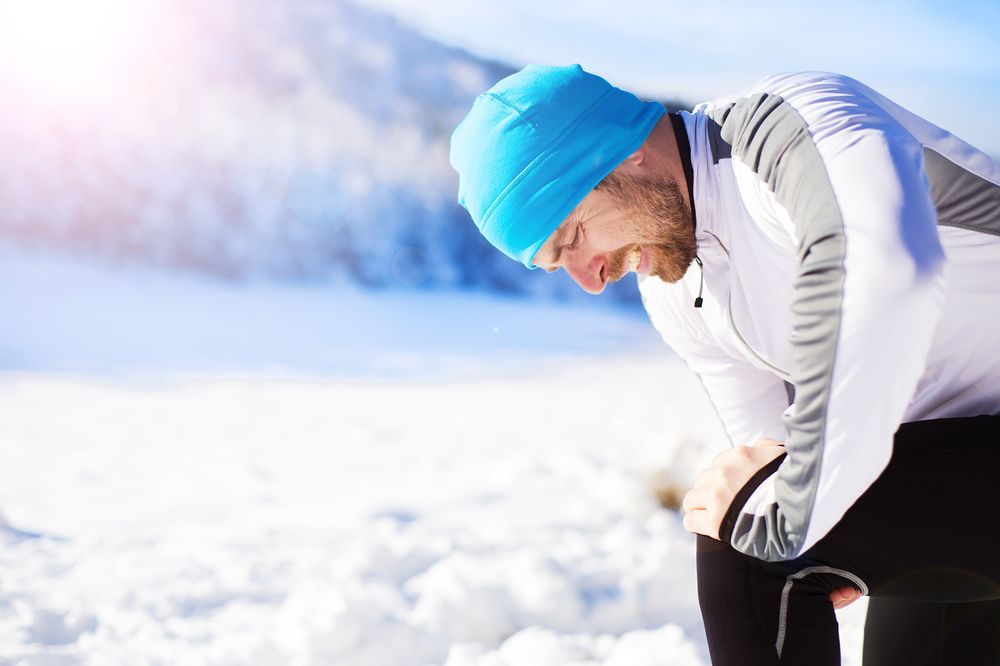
915,342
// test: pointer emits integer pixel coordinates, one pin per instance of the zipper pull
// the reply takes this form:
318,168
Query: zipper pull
701,284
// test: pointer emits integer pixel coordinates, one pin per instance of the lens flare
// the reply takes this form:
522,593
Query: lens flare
68,47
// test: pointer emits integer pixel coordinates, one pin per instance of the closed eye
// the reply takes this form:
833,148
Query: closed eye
576,236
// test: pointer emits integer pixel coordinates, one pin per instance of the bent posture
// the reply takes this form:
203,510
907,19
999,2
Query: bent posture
828,263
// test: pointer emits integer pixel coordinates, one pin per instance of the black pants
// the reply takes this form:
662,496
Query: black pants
923,541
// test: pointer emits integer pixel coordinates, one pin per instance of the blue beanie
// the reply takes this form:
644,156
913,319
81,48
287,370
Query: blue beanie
535,144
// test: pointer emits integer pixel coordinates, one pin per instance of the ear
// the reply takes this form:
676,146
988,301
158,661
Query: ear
636,158
633,164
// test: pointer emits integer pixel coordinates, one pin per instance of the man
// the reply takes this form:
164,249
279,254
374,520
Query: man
828,263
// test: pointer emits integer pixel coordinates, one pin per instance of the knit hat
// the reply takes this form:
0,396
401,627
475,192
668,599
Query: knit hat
535,144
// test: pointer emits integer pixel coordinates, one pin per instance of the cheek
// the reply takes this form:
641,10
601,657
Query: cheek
635,226
611,237
643,227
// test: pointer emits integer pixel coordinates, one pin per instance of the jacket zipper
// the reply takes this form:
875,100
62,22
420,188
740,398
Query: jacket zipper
732,323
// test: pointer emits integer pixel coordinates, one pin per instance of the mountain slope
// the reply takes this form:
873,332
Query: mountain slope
304,140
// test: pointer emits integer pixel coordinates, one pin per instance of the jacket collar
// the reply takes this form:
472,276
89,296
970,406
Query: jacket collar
684,148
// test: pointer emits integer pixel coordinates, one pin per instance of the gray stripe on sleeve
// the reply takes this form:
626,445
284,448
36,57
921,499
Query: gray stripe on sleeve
770,137
962,198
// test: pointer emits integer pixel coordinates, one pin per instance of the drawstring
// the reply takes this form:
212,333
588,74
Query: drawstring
701,284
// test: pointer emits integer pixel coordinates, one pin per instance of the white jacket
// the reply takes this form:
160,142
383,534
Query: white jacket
852,250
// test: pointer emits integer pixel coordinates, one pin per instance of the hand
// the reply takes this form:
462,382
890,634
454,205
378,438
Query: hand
715,488
705,505
844,597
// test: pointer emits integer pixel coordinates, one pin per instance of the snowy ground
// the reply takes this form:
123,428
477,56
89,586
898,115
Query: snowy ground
195,473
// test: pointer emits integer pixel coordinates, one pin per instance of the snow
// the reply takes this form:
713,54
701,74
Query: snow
199,472
75,316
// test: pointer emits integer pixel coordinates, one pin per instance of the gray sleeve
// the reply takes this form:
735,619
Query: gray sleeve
868,291
769,136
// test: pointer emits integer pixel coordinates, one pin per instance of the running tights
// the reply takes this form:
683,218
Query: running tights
923,542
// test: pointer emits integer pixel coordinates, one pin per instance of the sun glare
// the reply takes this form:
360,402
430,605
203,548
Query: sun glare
68,46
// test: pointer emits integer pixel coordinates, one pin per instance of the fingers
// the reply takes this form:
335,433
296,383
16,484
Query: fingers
699,497
844,596
715,487
699,521
710,477
702,513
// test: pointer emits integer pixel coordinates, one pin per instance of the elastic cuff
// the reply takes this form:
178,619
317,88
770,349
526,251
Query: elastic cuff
733,512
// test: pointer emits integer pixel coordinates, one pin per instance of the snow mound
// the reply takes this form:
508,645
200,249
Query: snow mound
666,646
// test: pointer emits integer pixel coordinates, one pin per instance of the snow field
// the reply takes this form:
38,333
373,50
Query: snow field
271,521
481,493
214,521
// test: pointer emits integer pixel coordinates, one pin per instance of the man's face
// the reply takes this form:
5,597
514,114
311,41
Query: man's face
628,223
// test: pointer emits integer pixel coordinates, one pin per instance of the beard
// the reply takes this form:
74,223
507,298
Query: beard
659,218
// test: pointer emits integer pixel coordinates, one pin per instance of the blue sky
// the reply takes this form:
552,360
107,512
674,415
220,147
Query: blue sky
940,60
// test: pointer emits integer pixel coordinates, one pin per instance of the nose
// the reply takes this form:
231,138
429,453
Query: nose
591,274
